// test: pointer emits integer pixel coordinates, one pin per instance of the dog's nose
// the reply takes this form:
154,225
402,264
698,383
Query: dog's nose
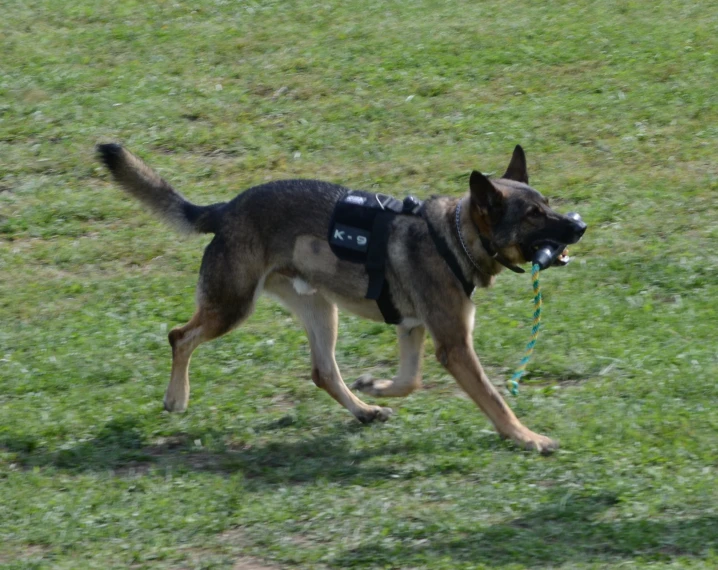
579,226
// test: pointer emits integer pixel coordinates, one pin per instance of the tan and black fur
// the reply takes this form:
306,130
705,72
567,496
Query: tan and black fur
273,238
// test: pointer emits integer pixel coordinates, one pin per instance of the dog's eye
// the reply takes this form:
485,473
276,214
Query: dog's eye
534,211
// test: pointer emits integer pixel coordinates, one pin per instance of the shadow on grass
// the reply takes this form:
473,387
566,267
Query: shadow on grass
570,528
121,447
567,530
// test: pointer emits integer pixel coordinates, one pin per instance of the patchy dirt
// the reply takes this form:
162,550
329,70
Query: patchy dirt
251,563
17,554
235,537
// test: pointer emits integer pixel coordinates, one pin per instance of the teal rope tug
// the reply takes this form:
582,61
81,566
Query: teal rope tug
513,383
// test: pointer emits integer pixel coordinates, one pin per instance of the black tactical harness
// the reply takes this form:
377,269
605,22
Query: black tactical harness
359,232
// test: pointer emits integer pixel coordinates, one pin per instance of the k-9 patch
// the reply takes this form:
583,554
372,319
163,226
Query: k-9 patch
359,231
356,217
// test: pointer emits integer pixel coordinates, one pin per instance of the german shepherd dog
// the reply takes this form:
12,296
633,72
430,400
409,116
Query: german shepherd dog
273,238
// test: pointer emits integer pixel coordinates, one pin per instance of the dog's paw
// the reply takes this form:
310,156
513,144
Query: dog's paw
374,413
175,406
532,441
384,388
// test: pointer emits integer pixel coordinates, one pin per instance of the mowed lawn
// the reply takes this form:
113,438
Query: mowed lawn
615,103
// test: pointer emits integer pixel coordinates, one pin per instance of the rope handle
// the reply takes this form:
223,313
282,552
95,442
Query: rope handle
513,383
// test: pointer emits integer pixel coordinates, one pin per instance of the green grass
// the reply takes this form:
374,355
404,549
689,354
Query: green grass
615,104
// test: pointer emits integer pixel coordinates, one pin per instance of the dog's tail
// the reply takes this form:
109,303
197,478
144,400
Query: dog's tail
148,187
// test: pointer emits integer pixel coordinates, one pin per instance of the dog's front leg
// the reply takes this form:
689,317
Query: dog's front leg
408,378
458,356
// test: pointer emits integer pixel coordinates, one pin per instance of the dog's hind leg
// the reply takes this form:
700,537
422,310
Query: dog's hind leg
207,323
204,325
226,295
320,319
408,378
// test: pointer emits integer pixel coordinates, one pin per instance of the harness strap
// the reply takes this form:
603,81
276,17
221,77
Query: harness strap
410,206
445,251
391,314
376,254
376,268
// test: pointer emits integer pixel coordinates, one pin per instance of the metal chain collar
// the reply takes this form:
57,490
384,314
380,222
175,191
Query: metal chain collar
461,239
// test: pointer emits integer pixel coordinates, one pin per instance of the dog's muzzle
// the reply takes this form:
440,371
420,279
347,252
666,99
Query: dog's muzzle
548,253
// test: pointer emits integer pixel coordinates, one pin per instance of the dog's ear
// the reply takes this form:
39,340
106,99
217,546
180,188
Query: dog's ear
517,167
487,198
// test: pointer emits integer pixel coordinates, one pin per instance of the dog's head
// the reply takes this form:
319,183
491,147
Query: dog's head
516,218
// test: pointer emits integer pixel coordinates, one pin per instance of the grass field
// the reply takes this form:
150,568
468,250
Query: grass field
615,103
